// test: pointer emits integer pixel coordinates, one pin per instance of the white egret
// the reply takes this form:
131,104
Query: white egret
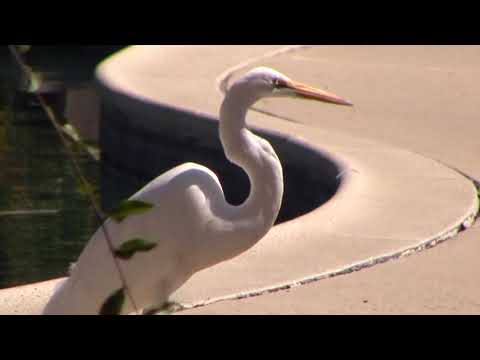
191,222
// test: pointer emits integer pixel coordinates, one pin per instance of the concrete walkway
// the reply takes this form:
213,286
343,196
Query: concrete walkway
441,280
412,105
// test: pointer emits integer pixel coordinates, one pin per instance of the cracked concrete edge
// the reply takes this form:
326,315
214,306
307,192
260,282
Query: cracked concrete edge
463,225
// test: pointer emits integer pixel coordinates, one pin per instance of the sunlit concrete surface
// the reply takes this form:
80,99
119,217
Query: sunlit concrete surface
28,299
441,280
412,105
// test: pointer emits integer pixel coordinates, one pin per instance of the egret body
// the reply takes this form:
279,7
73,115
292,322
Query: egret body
191,222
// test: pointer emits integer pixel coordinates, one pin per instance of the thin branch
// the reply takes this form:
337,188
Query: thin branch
98,212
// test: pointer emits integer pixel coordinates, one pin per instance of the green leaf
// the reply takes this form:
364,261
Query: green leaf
94,152
113,305
129,248
22,49
71,131
129,207
35,82
87,145
90,143
86,188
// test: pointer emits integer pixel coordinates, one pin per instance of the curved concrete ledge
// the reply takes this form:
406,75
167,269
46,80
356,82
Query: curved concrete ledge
392,200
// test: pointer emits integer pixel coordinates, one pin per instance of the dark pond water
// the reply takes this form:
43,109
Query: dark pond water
44,219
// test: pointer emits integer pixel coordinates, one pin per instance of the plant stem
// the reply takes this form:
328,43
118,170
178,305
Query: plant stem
98,212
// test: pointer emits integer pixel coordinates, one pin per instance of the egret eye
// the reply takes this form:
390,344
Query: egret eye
278,84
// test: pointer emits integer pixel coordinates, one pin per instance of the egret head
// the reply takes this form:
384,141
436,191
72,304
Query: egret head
266,82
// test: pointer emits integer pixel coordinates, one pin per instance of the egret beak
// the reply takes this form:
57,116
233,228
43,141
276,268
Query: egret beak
308,92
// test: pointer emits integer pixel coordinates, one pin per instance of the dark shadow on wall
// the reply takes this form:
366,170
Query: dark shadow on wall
136,149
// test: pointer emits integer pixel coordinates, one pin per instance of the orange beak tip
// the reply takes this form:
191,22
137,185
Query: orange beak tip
317,94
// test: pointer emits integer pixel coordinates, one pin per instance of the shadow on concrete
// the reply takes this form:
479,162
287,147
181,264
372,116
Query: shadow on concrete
139,143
